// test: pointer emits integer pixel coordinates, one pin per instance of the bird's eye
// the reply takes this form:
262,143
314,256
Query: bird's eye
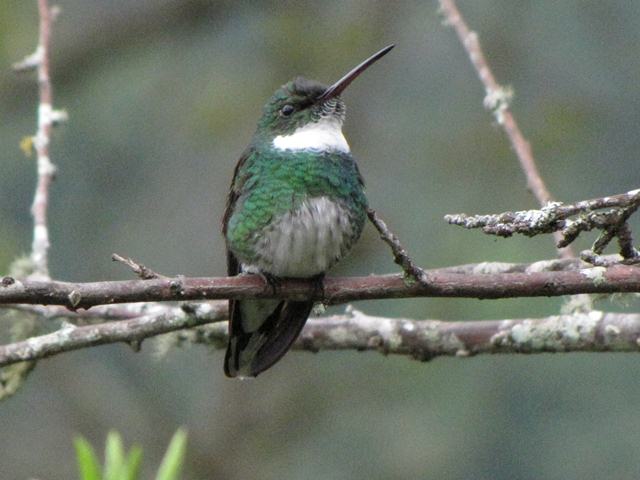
287,110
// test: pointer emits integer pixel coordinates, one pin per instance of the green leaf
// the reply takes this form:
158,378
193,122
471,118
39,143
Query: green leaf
171,465
132,465
114,457
88,465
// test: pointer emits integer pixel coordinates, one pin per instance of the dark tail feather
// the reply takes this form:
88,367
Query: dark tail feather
253,350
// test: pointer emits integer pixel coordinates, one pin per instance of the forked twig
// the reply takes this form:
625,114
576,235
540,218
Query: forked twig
608,214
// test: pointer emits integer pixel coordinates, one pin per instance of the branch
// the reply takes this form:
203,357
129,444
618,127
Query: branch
421,339
38,265
496,100
70,337
424,339
47,117
400,255
615,279
554,217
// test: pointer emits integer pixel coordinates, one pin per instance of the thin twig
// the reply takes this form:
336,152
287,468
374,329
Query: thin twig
400,255
497,100
47,116
139,269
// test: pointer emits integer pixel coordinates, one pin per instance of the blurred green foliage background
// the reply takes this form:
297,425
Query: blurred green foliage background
163,95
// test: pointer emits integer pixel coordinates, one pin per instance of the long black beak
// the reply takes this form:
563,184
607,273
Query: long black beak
338,87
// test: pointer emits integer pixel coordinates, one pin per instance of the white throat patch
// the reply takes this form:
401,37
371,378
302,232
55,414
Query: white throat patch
325,134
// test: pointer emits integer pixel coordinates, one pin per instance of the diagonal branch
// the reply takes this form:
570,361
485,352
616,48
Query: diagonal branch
497,99
400,255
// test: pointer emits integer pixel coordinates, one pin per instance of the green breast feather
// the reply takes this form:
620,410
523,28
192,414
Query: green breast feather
270,184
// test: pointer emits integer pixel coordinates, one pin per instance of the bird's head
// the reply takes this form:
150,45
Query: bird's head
307,114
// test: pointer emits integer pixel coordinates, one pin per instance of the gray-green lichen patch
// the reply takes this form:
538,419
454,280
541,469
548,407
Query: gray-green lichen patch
541,266
341,335
619,332
579,303
489,268
497,101
452,343
596,274
611,333
556,334
539,219
385,328
409,280
433,341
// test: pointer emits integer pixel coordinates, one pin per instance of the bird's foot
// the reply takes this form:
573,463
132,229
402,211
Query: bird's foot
272,281
318,285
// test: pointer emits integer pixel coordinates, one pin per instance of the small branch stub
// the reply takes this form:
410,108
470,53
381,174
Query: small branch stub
139,269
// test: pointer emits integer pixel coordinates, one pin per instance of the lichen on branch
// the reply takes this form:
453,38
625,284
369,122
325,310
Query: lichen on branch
609,214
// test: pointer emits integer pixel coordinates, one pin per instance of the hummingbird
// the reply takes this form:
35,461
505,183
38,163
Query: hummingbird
295,207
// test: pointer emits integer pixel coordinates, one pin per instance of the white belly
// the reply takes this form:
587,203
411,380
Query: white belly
306,241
